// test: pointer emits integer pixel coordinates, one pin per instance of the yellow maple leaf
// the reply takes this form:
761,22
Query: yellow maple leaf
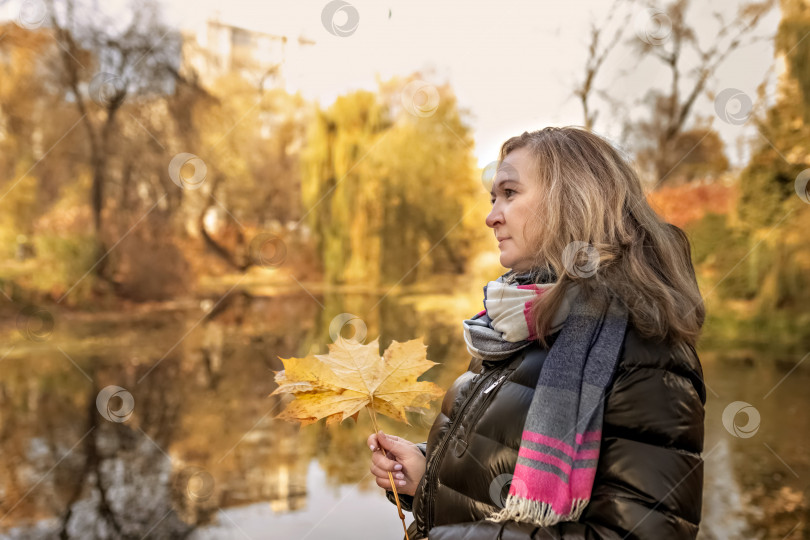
338,385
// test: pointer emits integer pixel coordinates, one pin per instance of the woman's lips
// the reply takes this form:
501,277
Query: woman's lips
502,241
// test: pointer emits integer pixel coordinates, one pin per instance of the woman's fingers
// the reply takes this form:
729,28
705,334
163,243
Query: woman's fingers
389,439
381,476
390,444
383,473
382,465
384,462
373,441
387,452
384,483
374,444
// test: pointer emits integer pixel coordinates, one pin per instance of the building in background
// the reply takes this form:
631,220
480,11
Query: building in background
218,48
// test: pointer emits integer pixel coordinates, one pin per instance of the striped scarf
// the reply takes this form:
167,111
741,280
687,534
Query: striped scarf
559,448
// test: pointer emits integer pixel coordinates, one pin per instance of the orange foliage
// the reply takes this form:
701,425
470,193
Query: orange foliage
681,205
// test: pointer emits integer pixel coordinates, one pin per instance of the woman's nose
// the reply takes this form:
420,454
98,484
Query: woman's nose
494,218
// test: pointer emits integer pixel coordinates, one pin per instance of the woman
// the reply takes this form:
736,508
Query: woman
581,414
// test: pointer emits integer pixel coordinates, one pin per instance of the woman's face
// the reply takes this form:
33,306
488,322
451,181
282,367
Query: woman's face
514,202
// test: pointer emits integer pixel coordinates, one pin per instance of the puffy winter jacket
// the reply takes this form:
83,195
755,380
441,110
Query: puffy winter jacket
649,477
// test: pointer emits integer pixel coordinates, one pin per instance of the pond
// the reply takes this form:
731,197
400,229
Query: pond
157,423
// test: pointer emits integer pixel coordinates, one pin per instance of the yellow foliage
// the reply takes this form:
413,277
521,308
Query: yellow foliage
352,376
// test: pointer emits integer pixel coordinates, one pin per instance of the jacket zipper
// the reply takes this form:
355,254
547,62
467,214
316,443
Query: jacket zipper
493,385
485,401
437,457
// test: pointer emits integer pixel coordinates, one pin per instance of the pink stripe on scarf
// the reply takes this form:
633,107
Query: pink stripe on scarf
560,445
545,457
582,482
544,486
536,455
588,454
528,306
548,441
541,486
589,436
527,315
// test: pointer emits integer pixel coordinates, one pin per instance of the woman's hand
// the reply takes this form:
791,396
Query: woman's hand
402,457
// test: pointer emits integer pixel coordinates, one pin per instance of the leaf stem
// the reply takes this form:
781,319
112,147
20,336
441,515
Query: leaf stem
390,476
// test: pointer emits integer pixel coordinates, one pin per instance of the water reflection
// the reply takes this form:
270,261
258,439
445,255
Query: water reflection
199,455
199,434
757,484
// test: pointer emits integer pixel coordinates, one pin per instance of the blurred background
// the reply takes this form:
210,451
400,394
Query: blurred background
191,191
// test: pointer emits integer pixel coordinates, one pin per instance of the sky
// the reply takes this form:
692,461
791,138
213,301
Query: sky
512,63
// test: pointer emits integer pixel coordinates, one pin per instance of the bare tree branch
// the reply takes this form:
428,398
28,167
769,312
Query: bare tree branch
596,57
672,110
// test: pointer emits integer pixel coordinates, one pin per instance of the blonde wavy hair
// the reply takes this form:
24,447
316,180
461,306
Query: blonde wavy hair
590,196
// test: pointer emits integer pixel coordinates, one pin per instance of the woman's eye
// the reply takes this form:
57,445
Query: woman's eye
508,194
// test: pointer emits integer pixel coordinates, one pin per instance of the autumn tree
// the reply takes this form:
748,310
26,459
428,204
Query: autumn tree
771,211
662,138
248,139
24,133
389,184
106,60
